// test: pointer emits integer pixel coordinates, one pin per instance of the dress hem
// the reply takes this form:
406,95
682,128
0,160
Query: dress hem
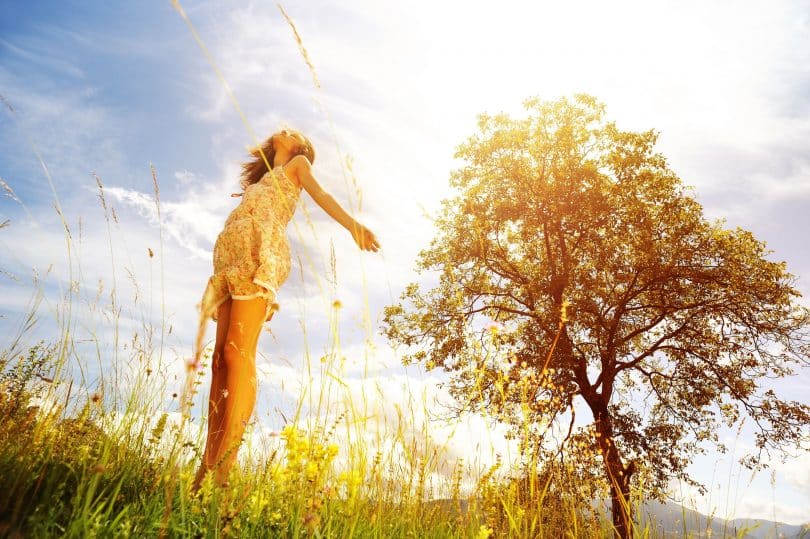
270,295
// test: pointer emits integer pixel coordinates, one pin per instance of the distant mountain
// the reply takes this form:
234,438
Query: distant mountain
673,520
670,520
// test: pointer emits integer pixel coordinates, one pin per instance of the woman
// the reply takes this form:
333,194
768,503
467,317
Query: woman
251,260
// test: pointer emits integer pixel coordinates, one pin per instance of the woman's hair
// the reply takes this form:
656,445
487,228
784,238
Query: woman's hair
253,170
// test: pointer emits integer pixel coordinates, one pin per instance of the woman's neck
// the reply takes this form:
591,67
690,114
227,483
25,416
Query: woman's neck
281,158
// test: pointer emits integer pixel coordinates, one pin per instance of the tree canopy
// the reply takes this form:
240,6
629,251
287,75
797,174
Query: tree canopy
573,263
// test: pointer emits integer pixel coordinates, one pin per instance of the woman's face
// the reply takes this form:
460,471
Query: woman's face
289,140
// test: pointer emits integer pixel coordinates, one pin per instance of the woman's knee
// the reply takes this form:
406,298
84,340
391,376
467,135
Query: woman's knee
236,354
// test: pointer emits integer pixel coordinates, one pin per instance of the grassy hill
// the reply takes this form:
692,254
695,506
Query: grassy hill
87,476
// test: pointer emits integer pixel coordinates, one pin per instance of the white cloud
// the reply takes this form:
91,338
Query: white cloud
184,222
29,53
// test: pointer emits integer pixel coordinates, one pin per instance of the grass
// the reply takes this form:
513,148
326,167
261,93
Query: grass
92,476
101,472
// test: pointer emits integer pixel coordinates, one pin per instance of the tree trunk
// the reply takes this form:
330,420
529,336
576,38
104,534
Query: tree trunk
620,504
618,475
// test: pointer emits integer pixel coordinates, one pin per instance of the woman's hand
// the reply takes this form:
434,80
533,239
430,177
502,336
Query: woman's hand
364,238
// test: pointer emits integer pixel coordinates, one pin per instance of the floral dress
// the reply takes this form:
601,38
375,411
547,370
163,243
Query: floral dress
251,254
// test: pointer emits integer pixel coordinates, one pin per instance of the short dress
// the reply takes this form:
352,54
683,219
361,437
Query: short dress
252,254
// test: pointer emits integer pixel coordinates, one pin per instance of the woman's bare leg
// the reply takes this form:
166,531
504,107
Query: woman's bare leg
239,359
215,396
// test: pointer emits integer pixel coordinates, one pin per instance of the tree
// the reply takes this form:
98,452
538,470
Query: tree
576,246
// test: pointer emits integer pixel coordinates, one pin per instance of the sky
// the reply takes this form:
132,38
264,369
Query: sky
107,92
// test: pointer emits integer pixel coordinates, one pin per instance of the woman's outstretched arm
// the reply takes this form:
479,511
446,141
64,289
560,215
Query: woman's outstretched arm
302,169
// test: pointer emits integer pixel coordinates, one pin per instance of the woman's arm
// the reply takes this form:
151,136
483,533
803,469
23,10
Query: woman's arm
302,169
